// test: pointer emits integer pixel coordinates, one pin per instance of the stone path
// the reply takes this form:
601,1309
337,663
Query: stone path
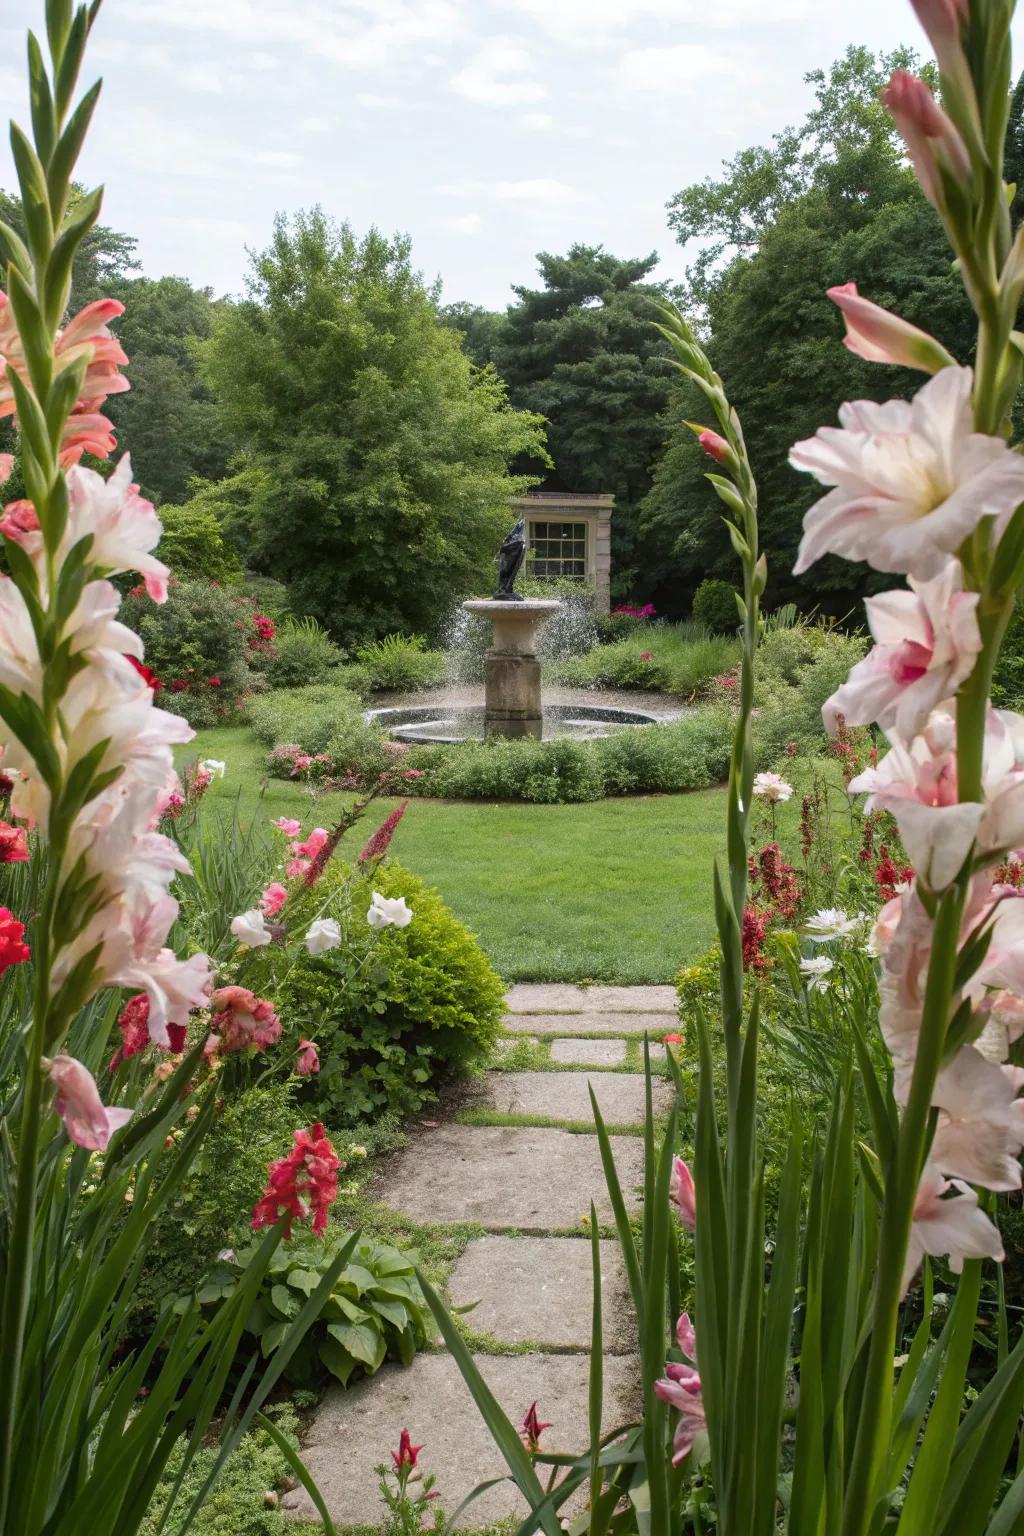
509,1165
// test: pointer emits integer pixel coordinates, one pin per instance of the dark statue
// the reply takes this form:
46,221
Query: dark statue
510,559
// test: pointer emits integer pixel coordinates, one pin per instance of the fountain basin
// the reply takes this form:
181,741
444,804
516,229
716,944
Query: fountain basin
448,723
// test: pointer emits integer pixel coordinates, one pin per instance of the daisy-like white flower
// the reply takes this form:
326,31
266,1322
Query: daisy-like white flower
772,786
831,923
815,971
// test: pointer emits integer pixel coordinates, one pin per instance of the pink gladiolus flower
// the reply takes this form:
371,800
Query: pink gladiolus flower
13,844
301,1184
680,1387
313,844
911,480
933,142
981,1125
273,899
952,1227
243,1021
88,1122
880,337
407,1454
714,444
683,1193
294,868
288,825
531,1429
686,1335
379,843
928,641
20,518
308,1061
6,467
943,21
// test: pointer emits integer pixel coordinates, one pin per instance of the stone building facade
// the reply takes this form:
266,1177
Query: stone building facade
570,535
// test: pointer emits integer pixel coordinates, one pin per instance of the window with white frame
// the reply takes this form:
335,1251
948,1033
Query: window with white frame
559,549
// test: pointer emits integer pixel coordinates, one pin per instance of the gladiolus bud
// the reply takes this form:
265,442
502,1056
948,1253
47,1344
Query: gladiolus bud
714,444
531,1429
683,1193
880,337
943,21
933,142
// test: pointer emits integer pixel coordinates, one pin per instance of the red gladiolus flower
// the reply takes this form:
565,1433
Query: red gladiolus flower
12,950
147,674
381,839
531,1429
133,1022
308,1061
301,1184
407,1454
214,682
13,844
243,1021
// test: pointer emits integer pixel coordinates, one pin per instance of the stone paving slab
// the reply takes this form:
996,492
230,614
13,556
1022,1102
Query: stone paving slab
566,1095
353,1431
592,1023
508,1176
589,1053
539,1290
560,997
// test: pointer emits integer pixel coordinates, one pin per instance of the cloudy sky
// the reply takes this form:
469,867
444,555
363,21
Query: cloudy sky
487,129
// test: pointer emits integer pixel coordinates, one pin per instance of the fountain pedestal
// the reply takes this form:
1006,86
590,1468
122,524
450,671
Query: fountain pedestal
512,704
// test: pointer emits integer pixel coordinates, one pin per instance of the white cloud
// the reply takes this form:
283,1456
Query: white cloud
379,103
277,159
596,23
316,124
537,122
464,223
541,189
661,70
500,75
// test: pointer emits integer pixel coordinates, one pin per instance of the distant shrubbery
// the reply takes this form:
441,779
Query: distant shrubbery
714,606
402,663
322,719
797,670
303,653
680,659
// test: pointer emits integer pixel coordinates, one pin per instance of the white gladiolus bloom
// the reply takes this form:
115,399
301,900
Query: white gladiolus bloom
831,923
322,935
383,913
214,766
250,928
911,480
772,786
815,971
948,1225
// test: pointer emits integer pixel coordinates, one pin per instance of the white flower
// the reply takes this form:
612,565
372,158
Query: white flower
815,970
388,914
981,1125
214,766
772,786
912,479
322,935
831,923
928,641
250,928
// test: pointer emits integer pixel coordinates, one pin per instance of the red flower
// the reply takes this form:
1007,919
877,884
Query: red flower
133,1022
646,655
531,1429
407,1454
303,1183
13,844
755,929
673,1039
214,682
381,839
179,685
265,628
146,674
12,950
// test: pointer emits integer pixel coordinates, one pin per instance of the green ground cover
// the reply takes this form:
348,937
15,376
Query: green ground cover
614,890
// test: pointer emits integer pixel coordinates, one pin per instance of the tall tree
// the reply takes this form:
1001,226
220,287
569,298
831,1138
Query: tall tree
105,255
825,204
383,454
583,350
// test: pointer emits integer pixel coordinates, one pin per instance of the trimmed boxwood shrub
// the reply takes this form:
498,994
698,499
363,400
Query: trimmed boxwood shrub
395,1012
714,606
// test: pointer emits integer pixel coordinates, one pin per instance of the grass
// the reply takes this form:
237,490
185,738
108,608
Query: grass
613,891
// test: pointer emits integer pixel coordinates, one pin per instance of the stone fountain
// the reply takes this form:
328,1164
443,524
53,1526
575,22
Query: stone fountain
512,702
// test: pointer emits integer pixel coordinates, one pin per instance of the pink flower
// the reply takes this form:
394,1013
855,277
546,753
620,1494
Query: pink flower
379,843
933,143
6,467
12,950
313,844
243,1021
943,21
124,526
273,899
683,1193
911,480
13,844
294,868
288,825
301,1184
681,1389
772,787
20,518
953,1227
715,445
531,1429
300,763
928,641
407,1454
308,1060
77,1101
880,337
646,655
981,1125
686,1335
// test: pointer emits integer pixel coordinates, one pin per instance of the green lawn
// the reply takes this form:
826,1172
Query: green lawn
619,890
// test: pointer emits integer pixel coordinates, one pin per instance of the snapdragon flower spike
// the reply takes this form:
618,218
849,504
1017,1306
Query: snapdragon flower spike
407,1454
305,1183
378,845
880,337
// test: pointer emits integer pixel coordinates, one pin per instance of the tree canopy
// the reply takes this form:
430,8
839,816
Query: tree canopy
830,202
383,453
